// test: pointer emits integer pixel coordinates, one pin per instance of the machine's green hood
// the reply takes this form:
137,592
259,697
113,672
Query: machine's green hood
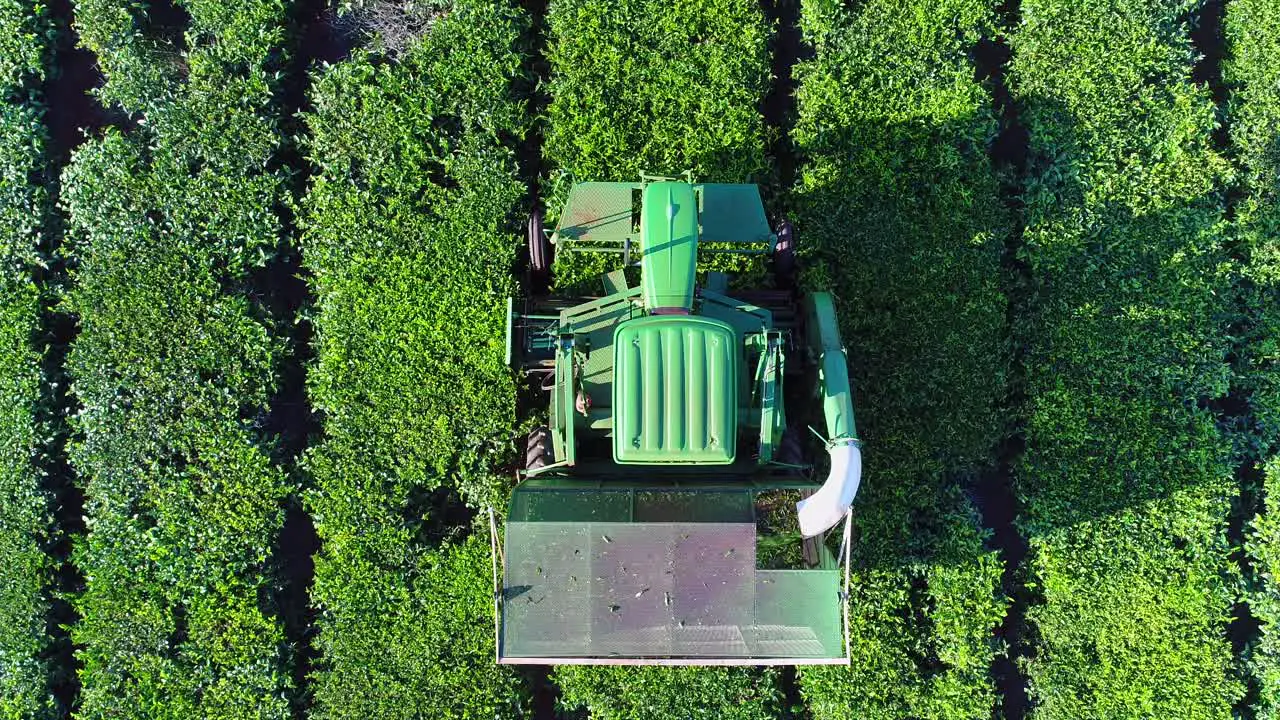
669,241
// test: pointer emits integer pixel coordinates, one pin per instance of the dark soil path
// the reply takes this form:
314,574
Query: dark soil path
72,115
994,492
283,288
1208,38
779,107
536,72
779,110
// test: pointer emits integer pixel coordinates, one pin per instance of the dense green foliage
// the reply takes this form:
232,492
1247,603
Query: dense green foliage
26,34
658,87
1253,74
646,86
25,521
898,212
1264,601
24,514
1127,480
174,367
410,228
408,234
659,693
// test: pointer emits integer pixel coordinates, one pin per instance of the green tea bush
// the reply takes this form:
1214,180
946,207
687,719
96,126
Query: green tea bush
1127,478
26,524
23,195
409,236
658,87
173,368
653,86
25,521
26,34
1253,73
642,86
144,69
412,641
659,693
1263,546
897,211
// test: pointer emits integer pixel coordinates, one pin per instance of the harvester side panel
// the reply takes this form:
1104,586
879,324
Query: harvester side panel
733,213
825,508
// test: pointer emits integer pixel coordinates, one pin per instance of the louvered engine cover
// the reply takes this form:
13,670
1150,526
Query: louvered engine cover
675,391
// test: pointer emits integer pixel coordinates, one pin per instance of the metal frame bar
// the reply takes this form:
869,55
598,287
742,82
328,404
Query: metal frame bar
602,245
546,468
596,305
731,303
846,550
584,479
497,587
708,661
511,322
566,391
772,412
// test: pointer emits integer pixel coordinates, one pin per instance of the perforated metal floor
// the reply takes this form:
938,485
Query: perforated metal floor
617,590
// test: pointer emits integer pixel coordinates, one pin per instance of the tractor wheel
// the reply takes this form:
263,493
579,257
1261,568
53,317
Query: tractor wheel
791,449
539,247
538,448
784,255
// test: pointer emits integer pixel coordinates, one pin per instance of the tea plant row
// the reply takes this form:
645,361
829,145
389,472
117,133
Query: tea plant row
26,533
1127,476
407,232
898,210
1252,73
176,361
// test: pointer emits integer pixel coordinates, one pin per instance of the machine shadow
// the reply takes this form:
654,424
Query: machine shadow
1084,337
1127,342
904,221
905,224
902,218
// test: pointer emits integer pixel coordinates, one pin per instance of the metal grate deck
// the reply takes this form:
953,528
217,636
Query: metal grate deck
658,590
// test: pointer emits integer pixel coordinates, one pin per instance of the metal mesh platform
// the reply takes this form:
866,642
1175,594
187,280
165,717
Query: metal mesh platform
616,590
598,212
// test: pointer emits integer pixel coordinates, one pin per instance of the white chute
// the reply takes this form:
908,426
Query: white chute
822,510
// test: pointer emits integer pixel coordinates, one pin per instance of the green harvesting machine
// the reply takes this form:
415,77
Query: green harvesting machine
668,512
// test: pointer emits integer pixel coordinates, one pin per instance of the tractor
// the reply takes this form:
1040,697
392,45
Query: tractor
680,413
